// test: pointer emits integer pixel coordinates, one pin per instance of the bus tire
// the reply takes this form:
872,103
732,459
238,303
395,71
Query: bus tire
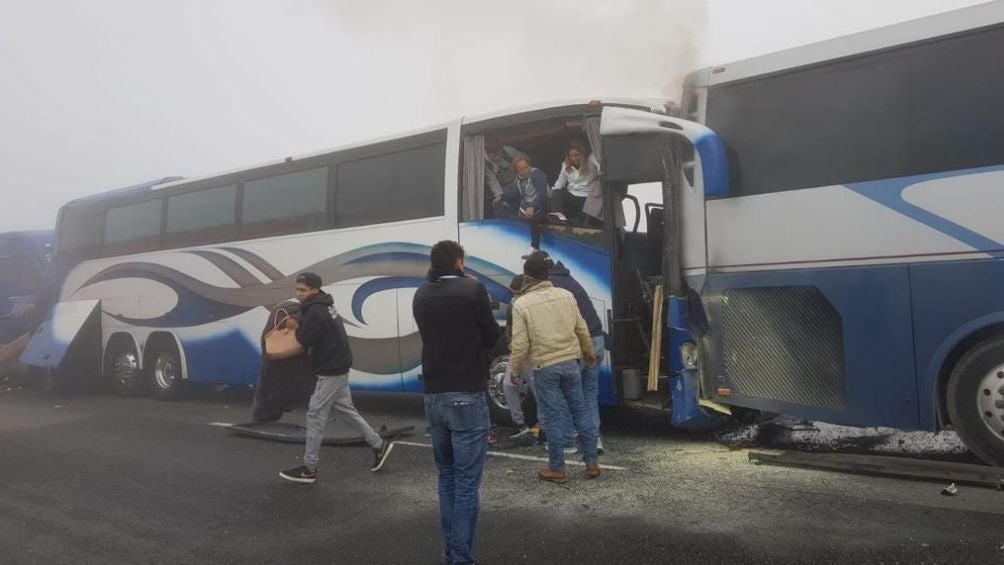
122,370
975,400
498,407
164,369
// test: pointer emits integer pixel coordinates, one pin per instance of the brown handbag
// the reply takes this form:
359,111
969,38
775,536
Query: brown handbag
280,341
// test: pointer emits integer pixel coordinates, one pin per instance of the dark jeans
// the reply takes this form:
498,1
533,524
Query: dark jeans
557,386
506,211
458,425
569,205
536,223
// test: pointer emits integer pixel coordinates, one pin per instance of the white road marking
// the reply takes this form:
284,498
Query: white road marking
519,456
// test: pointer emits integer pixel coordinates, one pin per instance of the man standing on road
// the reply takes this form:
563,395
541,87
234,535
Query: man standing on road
455,319
321,331
548,329
560,277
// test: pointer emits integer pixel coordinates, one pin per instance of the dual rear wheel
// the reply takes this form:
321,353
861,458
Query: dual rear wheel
160,376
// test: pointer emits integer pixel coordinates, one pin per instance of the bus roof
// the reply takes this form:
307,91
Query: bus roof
121,192
947,23
650,103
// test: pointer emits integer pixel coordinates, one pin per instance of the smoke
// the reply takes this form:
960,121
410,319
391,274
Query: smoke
457,57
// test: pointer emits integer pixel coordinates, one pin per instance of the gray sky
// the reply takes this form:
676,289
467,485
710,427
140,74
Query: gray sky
99,94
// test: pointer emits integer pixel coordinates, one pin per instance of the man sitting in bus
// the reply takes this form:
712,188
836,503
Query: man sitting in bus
531,189
499,176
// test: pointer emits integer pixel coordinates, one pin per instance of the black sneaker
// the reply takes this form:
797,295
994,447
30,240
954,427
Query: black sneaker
380,455
542,438
521,431
301,474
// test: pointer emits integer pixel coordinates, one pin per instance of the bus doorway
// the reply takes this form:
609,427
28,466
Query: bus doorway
639,173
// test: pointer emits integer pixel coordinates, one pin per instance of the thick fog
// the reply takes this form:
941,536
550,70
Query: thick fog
106,93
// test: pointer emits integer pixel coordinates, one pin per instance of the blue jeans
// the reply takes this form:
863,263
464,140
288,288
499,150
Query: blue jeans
458,425
558,386
591,383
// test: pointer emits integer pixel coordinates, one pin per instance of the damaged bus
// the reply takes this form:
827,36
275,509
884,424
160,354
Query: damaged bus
25,288
810,233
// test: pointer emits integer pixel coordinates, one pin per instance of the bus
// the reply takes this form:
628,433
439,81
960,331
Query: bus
809,233
176,275
24,277
852,273
26,288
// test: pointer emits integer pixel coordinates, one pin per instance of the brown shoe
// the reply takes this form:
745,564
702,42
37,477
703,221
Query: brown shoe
552,476
592,470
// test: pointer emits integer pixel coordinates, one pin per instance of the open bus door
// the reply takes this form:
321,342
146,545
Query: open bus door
662,168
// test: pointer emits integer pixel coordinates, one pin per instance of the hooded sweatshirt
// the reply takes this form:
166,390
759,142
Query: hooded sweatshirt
322,332
561,278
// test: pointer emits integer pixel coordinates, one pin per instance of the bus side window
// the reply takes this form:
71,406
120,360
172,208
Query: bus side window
133,228
202,216
288,203
649,196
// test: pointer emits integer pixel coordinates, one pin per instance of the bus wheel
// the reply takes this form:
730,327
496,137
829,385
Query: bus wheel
122,369
498,405
165,371
975,400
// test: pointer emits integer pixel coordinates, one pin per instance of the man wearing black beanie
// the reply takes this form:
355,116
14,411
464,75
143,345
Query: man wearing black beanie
549,331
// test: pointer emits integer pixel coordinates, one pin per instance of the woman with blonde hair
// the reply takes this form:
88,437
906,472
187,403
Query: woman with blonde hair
579,179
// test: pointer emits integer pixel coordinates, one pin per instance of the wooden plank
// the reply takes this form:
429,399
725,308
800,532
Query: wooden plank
947,471
655,350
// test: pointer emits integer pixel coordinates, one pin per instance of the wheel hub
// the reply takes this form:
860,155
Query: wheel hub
165,371
125,368
990,399
496,382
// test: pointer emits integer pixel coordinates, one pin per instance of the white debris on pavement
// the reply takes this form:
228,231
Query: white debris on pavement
820,436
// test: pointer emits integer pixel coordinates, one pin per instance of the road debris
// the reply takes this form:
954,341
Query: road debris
883,465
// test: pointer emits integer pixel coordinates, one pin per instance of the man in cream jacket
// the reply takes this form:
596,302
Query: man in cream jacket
548,329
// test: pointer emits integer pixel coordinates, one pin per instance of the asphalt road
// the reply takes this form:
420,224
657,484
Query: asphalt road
99,479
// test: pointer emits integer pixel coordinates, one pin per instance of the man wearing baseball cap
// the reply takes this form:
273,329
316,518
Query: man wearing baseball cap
549,332
320,330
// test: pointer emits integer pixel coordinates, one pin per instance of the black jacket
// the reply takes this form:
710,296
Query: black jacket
458,329
284,384
323,333
561,278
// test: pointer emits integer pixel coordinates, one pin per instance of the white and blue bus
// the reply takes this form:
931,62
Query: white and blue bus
853,272
822,222
176,275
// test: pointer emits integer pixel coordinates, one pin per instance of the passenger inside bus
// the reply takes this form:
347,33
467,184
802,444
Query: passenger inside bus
576,193
499,173
564,150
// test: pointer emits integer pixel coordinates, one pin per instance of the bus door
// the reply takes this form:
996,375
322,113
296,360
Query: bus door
657,172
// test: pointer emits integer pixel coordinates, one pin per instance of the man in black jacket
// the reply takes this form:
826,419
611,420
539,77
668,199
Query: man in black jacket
458,329
321,331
